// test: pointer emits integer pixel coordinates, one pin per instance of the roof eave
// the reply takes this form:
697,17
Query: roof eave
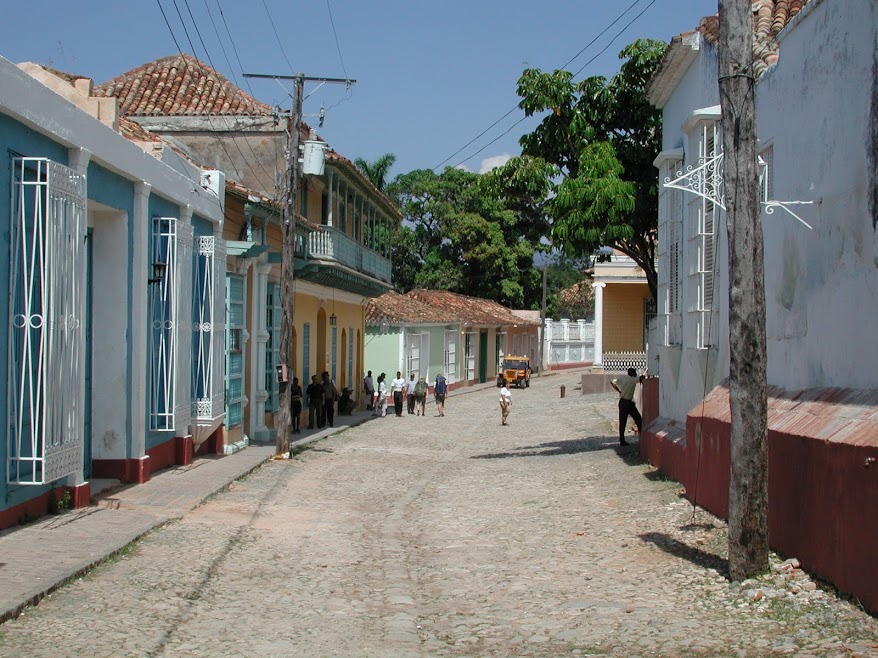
682,52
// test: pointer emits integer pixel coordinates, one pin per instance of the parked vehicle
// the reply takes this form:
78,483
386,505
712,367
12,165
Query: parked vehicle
516,371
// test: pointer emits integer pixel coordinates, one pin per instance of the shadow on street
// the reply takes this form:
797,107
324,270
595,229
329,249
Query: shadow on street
695,555
628,454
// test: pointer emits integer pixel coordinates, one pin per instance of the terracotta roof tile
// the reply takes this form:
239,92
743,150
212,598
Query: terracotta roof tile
471,310
402,309
179,85
769,18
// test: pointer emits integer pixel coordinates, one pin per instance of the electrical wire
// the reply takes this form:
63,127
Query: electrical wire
588,45
335,34
276,36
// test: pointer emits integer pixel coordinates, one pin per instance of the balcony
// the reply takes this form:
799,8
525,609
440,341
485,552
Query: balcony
329,257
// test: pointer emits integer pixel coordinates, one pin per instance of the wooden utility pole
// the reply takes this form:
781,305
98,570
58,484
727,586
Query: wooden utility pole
286,349
748,484
283,417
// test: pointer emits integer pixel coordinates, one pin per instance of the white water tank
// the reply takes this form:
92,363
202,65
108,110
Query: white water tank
313,157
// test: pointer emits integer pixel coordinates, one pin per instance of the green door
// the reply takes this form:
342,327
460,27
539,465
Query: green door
483,356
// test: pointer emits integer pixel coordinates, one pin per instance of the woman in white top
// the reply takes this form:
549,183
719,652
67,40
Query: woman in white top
381,406
505,402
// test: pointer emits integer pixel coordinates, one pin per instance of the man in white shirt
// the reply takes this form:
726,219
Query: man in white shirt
397,386
369,387
410,393
627,387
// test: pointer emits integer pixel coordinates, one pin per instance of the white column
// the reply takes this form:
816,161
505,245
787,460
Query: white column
183,357
138,384
547,343
258,430
330,199
598,324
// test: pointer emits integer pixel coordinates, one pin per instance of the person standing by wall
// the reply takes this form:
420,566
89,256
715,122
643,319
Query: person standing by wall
369,388
505,401
296,404
397,386
330,395
626,386
440,390
315,403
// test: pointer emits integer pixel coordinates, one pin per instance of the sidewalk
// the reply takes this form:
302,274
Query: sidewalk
40,557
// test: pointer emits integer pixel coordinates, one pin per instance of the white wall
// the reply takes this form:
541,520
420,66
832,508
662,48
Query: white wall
822,285
815,108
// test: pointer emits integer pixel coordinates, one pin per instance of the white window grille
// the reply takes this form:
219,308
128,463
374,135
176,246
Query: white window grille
272,345
170,302
334,354
670,254
208,333
500,349
235,328
469,356
46,398
704,210
351,375
450,361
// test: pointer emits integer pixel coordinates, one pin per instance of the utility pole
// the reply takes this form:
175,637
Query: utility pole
543,320
748,482
286,349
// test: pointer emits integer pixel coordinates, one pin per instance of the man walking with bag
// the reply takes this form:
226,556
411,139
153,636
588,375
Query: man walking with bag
627,387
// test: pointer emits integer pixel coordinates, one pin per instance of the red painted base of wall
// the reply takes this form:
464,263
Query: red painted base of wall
131,471
31,510
213,445
569,366
822,488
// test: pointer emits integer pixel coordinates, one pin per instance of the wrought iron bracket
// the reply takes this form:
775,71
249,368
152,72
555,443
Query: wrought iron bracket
705,180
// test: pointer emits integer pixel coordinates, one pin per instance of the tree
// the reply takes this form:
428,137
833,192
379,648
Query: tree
748,401
458,236
588,165
377,171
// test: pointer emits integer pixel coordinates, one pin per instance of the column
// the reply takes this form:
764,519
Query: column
547,343
330,198
138,383
598,325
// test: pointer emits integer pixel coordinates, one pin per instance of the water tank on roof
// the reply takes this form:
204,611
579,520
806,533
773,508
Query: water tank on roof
313,157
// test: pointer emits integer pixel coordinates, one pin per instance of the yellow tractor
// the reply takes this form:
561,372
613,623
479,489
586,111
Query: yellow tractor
515,370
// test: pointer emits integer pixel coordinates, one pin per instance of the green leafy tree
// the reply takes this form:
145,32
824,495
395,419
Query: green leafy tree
377,170
458,236
588,165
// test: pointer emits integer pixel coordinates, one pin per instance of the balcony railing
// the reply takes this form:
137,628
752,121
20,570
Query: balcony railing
329,243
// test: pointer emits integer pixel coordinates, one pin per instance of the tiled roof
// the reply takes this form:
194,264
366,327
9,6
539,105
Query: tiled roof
179,85
404,309
470,310
769,18
135,132
441,307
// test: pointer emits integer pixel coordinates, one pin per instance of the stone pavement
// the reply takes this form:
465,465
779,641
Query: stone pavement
40,557
450,537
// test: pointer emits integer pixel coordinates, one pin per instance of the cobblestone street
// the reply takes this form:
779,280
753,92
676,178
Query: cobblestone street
454,536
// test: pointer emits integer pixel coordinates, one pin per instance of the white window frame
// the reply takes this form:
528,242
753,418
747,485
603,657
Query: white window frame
670,254
46,351
235,340
470,342
450,359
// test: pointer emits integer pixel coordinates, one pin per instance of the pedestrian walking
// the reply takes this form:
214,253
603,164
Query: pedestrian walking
315,403
369,387
505,401
397,386
381,404
626,386
440,389
420,396
410,394
296,404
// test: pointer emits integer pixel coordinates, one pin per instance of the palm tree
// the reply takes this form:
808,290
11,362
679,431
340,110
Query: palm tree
377,171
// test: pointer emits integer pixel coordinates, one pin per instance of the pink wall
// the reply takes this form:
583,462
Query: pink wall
823,499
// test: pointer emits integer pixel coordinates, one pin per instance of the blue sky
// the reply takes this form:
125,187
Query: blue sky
431,76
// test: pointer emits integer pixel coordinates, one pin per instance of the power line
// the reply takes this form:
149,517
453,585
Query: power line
276,36
335,34
588,45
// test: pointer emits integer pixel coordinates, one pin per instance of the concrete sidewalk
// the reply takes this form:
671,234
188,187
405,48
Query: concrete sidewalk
40,557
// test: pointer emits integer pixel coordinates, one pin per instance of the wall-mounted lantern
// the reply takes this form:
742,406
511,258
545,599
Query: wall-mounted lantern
158,272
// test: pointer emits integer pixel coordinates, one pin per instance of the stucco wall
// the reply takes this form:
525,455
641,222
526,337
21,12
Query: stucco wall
623,317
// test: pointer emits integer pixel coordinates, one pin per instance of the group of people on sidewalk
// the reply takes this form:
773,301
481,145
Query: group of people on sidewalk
413,392
323,397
